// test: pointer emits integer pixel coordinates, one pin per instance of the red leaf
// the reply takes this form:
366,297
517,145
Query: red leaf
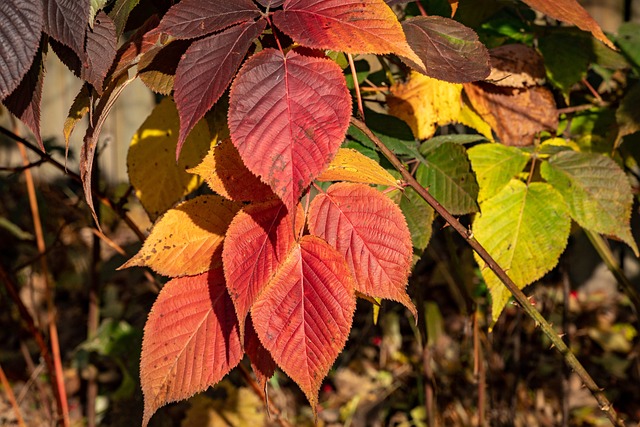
24,101
288,116
100,51
304,315
21,23
352,26
66,21
369,230
190,340
196,18
272,4
206,69
257,241
142,41
261,361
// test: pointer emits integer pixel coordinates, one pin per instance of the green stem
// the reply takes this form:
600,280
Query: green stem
548,330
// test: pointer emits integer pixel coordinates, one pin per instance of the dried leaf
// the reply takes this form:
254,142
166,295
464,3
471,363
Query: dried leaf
516,65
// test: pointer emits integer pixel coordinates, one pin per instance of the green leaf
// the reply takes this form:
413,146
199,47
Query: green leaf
628,113
525,229
495,165
566,59
120,13
596,190
419,216
433,143
94,7
629,41
447,174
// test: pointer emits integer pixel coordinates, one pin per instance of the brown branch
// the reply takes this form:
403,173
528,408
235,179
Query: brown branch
18,169
11,397
520,297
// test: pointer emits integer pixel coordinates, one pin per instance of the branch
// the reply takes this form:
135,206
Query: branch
568,356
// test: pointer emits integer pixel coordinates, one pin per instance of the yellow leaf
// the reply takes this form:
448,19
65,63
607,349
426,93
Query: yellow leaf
158,181
240,407
352,166
469,117
187,240
425,103
225,173
78,110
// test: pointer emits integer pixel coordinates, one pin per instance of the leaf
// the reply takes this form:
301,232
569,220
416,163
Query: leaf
187,240
516,66
628,114
190,340
369,230
66,21
516,115
571,12
352,166
597,191
525,229
138,44
470,118
24,101
159,181
94,7
449,50
304,315
288,116
447,174
257,242
206,69
262,363
225,173
629,39
425,103
195,18
495,166
566,59
157,67
21,22
419,216
271,3
77,111
351,26
120,13
100,51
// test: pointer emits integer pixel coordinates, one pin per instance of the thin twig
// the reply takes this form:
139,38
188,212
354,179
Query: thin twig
520,297
356,85
271,408
19,169
11,397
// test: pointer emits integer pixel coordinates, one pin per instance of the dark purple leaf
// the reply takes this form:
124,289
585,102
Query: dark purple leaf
100,51
196,18
271,4
21,23
24,102
206,69
66,21
449,50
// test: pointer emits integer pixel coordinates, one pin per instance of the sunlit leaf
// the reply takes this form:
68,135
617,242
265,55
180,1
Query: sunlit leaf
157,67
258,240
525,229
369,230
158,180
77,111
21,22
449,50
304,315
495,166
138,44
225,173
352,166
597,191
288,116
94,7
425,103
206,69
447,174
190,340
187,240
351,26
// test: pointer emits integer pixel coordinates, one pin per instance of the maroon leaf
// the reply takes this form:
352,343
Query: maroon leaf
24,101
261,361
206,69
271,4
288,116
66,21
100,51
449,50
304,315
196,18
190,340
130,52
257,241
370,231
20,27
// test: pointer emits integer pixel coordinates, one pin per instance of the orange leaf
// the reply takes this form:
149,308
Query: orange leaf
304,315
369,230
190,340
353,166
187,240
258,239
571,12
225,173
351,26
